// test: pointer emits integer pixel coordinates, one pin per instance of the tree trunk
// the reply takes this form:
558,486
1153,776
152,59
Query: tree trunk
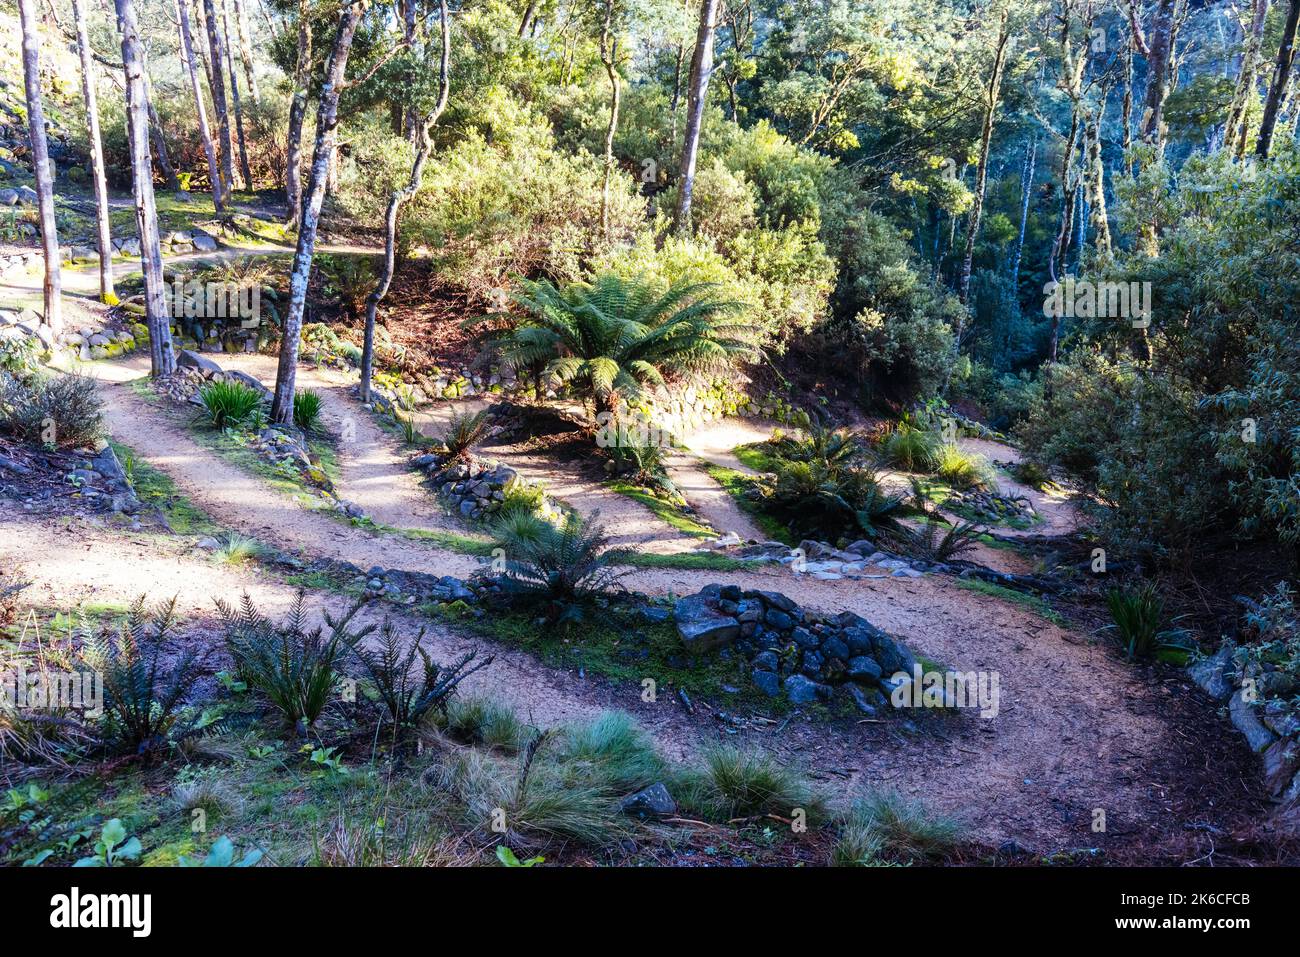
1096,186
701,70
162,359
1235,129
201,20
103,226
31,44
156,134
1026,188
246,50
217,50
205,132
399,196
1158,54
982,169
1281,74
327,115
609,57
297,115
244,171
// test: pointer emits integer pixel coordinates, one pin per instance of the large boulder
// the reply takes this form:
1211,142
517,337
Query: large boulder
1211,674
802,690
187,359
702,626
651,802
1245,720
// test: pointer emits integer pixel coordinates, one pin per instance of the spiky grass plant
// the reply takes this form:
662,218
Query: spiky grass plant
731,783
307,407
911,448
936,540
227,404
885,827
559,567
1137,616
407,694
464,430
235,549
963,470
487,722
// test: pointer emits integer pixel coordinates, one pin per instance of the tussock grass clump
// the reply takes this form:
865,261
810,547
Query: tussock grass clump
487,722
1137,616
207,790
612,750
306,409
911,448
731,783
227,404
885,828
235,549
963,470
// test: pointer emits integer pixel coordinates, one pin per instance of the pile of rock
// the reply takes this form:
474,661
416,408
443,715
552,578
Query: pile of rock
992,507
102,477
1262,706
820,560
473,488
793,650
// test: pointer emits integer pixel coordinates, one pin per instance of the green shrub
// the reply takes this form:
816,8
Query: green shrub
234,548
963,470
612,750
1137,616
145,679
559,567
464,429
53,410
306,409
911,448
937,541
227,404
612,337
293,667
485,721
408,695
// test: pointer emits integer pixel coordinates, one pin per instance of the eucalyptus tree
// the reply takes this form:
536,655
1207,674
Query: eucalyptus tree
31,54
89,96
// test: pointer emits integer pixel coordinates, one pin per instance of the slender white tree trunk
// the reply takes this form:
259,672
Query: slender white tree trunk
424,147
41,163
205,132
327,117
297,116
89,97
246,50
217,51
701,70
162,358
244,171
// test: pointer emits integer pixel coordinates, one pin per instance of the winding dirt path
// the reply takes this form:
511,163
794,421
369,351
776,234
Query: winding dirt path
1075,730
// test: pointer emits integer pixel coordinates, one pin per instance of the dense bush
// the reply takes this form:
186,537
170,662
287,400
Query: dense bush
51,409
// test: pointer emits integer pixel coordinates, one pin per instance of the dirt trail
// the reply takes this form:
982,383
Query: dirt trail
1076,729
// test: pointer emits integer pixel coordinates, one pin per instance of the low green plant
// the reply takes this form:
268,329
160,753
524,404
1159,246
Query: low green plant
885,827
961,469
235,549
508,858
222,854
113,847
145,679
307,409
936,540
464,429
406,694
557,567
53,410
1136,617
487,722
912,448
731,783
227,404
292,666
